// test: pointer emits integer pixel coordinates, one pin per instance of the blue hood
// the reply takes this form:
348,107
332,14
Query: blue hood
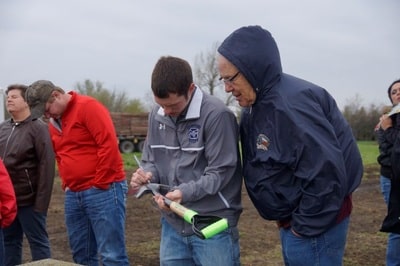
254,52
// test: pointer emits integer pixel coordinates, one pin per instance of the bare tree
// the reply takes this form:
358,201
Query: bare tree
205,69
207,77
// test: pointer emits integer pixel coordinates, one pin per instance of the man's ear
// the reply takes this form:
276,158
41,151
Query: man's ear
191,88
55,94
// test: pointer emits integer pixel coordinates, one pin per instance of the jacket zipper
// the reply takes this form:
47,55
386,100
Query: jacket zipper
8,140
29,179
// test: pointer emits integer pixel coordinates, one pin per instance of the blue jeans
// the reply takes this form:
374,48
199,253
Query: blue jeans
1,248
33,225
95,221
393,245
177,250
326,249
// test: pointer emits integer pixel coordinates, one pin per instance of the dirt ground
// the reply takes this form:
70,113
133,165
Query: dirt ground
259,239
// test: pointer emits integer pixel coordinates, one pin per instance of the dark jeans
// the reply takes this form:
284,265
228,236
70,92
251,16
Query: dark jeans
326,249
33,225
393,245
1,248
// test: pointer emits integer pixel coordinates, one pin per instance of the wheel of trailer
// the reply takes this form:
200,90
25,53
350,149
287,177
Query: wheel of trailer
140,146
126,146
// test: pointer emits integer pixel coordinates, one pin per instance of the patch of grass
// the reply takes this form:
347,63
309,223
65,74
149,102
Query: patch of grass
129,161
369,151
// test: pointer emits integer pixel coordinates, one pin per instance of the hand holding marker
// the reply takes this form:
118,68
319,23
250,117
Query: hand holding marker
138,163
204,226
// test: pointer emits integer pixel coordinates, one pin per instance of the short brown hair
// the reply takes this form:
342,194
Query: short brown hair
171,75
22,88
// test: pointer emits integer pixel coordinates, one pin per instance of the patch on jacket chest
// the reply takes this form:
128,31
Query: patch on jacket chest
193,133
263,142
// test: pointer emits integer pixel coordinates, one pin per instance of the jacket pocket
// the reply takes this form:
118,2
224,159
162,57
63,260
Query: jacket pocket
28,179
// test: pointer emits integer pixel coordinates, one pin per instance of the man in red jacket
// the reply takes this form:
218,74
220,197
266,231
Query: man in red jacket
91,171
8,206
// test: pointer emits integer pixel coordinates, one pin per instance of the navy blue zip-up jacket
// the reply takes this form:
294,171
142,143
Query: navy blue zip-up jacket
300,158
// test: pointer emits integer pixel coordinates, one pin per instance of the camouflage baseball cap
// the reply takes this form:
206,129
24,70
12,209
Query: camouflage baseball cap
37,95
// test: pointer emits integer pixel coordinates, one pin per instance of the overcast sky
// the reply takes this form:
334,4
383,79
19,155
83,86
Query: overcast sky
349,47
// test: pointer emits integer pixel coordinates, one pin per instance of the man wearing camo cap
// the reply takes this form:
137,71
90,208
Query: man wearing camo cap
38,94
91,171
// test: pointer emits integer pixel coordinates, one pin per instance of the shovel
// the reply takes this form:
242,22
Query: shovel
204,226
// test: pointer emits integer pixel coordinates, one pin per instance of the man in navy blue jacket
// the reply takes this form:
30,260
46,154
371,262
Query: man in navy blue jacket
301,162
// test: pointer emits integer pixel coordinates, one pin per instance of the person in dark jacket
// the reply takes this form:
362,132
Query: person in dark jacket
27,153
388,132
386,139
301,162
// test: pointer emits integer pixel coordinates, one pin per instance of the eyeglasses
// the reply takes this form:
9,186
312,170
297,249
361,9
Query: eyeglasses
231,79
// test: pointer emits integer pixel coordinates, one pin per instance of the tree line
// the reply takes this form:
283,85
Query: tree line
362,119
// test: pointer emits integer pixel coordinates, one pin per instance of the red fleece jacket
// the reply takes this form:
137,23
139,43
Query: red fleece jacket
8,202
86,145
